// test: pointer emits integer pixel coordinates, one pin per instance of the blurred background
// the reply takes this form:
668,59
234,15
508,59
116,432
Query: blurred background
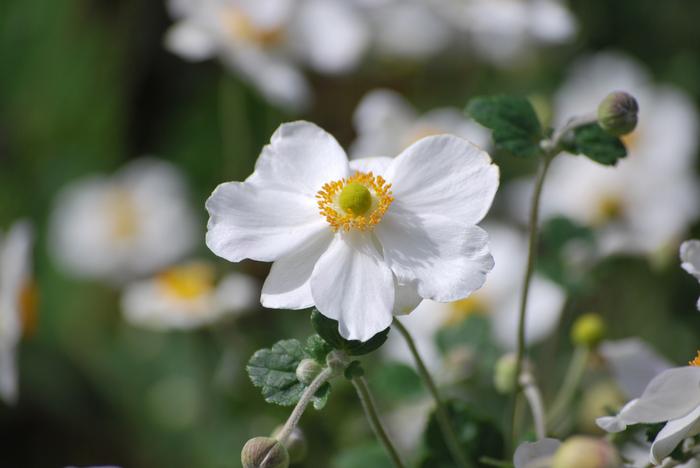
120,114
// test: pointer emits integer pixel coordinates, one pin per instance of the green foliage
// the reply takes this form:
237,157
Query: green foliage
395,381
328,330
557,236
597,144
317,348
513,121
273,370
478,437
370,455
354,370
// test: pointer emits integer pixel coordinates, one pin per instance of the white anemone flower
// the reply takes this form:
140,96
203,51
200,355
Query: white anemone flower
672,397
187,296
132,223
499,299
690,256
386,124
360,240
17,303
266,41
628,204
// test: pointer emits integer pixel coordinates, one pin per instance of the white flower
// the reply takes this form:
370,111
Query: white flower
187,296
633,364
359,246
386,124
17,302
499,298
129,224
672,397
535,454
690,256
266,40
629,203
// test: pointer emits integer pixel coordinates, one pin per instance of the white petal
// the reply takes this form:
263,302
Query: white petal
352,284
330,34
190,41
445,175
406,298
634,363
288,286
690,256
448,259
673,434
247,222
377,166
670,395
300,158
237,292
381,120
551,22
8,374
530,451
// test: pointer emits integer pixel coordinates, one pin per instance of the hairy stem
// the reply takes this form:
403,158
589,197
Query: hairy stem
443,418
367,401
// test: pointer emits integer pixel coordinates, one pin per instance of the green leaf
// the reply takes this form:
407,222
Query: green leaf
321,396
353,370
328,330
597,144
370,455
513,121
317,348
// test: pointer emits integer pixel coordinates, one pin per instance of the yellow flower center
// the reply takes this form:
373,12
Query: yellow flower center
631,140
358,202
609,208
464,308
188,281
28,307
240,26
124,218
695,362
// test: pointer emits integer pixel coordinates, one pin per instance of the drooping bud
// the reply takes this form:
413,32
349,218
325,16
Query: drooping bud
586,452
504,374
264,452
588,330
307,370
295,444
617,113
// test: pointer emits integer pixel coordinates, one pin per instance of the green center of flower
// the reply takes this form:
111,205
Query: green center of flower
355,198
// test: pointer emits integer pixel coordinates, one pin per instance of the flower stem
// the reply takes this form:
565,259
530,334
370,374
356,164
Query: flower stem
304,401
534,399
365,397
443,418
566,393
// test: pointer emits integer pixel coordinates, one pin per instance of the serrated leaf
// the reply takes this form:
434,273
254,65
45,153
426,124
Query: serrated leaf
317,348
274,372
321,396
513,122
597,144
328,330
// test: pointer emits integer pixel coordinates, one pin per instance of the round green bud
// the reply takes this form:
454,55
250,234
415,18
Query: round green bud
307,370
504,374
586,452
588,330
617,113
264,452
295,444
355,198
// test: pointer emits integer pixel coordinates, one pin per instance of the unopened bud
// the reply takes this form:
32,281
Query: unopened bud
586,452
504,374
264,452
617,113
307,370
295,444
588,330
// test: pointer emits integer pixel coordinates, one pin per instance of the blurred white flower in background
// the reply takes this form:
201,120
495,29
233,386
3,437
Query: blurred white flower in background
187,296
633,364
132,223
690,258
267,41
628,204
499,299
17,302
360,240
535,454
386,124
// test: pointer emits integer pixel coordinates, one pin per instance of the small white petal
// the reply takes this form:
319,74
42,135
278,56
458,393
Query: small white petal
448,259
406,298
352,284
690,256
190,41
673,434
300,158
376,165
530,451
611,424
288,286
445,175
247,222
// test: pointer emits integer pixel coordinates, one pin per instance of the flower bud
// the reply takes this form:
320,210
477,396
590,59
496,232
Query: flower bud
586,452
264,452
617,113
588,330
504,374
295,444
307,370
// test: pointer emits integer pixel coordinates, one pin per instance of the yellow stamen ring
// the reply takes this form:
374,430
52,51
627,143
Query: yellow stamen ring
358,202
695,362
